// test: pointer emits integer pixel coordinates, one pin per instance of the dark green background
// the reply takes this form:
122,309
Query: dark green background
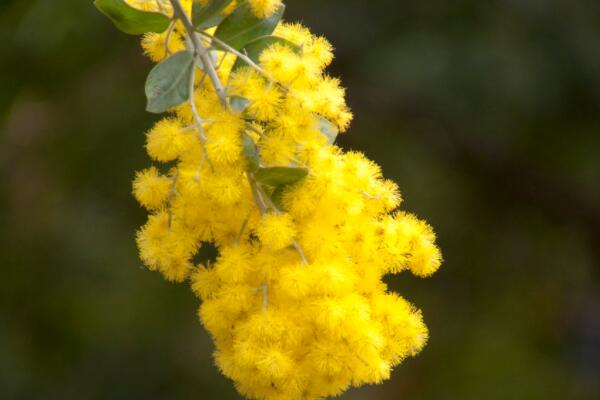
485,112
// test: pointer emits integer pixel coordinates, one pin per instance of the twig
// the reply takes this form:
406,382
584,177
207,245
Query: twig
243,228
172,194
257,199
244,58
269,203
168,37
200,51
197,118
239,54
198,121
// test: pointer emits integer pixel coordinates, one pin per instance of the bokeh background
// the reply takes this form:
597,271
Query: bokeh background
485,112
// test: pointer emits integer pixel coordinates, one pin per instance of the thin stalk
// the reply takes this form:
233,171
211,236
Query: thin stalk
200,51
198,121
172,194
243,228
197,118
243,57
255,193
168,37
269,204
231,50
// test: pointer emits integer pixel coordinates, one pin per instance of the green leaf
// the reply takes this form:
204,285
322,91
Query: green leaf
131,20
242,26
168,83
276,176
238,103
209,15
257,46
251,152
277,196
328,129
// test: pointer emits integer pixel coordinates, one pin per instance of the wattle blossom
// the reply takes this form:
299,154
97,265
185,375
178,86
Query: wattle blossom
295,300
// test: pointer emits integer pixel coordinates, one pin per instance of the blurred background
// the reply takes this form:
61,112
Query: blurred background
485,112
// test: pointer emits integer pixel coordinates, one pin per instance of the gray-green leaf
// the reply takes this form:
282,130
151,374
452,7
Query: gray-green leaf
238,103
209,15
242,26
276,176
251,152
277,196
328,129
168,84
131,20
257,46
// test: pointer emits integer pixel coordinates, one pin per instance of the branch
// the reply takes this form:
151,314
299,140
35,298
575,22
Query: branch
243,57
231,50
200,51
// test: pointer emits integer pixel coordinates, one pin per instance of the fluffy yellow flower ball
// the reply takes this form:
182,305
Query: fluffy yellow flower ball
276,231
264,8
151,189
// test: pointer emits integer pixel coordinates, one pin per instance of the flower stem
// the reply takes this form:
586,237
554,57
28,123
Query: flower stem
200,51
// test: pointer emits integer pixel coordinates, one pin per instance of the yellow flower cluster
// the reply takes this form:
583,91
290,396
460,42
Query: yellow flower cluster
295,300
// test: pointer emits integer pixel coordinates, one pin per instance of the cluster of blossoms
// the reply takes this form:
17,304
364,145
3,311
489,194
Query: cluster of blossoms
295,301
